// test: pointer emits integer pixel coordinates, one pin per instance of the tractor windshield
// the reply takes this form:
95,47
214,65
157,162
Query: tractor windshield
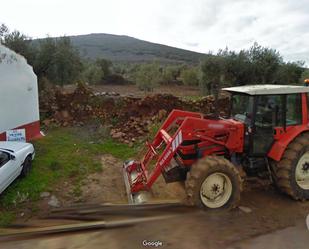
242,107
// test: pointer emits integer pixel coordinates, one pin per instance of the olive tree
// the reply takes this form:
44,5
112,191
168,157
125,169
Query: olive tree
212,71
148,76
190,76
92,73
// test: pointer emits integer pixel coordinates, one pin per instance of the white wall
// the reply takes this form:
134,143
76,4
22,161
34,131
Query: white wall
18,91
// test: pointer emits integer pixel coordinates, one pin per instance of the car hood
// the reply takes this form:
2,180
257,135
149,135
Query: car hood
13,146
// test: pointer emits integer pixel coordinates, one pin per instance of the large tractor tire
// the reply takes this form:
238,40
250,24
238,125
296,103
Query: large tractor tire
292,171
213,182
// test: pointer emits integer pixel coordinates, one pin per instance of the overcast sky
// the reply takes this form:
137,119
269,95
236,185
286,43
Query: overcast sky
198,25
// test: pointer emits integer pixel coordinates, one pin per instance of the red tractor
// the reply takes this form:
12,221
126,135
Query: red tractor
266,134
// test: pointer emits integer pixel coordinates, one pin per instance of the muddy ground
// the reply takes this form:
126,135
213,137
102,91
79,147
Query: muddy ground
273,220
108,186
265,218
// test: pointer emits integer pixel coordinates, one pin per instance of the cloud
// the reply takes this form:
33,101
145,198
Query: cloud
192,44
200,25
237,24
215,24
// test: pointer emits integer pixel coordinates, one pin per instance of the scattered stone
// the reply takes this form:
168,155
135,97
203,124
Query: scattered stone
54,202
245,209
47,122
65,114
130,144
117,135
162,114
44,194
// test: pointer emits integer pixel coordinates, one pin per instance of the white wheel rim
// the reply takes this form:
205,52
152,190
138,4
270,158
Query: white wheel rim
216,190
302,172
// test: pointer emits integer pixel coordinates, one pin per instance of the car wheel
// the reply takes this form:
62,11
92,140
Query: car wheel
26,166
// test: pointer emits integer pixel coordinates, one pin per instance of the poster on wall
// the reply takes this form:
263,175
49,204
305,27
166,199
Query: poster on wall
18,135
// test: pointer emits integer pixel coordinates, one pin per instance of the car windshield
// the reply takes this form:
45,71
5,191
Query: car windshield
242,106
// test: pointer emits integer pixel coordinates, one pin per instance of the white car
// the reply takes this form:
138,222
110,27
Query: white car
15,160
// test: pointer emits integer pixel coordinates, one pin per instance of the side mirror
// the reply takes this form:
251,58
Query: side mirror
12,157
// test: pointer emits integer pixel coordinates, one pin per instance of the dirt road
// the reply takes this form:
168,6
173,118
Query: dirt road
233,229
291,237
272,221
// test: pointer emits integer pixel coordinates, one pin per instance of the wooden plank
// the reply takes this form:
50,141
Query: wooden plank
120,207
35,232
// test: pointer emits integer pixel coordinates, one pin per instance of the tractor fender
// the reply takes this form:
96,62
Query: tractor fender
281,144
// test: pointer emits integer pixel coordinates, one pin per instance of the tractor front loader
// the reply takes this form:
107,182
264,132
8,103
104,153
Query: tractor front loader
266,135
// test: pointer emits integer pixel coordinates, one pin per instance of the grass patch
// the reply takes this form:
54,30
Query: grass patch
192,98
153,130
64,154
6,218
116,149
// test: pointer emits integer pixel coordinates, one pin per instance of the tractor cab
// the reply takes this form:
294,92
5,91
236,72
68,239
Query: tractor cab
269,112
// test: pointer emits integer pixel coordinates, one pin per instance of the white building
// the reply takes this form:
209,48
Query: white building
19,103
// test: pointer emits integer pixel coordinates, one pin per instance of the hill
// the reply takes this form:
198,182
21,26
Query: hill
119,48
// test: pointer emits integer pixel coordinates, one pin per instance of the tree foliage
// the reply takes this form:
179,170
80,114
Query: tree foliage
170,73
290,73
56,60
67,61
258,65
46,59
190,76
18,42
53,58
212,71
266,63
148,76
3,30
92,73
105,66
305,75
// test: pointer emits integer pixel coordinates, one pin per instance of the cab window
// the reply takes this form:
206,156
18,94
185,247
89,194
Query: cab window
269,111
242,107
294,110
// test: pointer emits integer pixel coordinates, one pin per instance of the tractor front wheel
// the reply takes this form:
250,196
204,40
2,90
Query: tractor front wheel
292,171
213,182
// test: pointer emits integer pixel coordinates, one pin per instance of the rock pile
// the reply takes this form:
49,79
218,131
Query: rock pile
128,117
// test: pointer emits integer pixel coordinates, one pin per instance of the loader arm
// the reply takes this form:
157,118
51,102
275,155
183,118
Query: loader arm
175,118
188,126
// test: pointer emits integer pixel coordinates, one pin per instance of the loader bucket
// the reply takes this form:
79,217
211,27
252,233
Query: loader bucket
160,151
131,174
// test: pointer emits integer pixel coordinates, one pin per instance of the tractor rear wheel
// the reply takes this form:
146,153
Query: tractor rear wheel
213,182
292,171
